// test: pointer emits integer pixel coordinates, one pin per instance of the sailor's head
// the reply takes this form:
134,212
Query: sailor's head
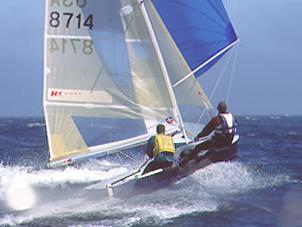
222,107
160,129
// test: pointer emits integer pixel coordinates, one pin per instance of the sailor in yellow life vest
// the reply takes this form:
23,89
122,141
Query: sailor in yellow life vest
161,148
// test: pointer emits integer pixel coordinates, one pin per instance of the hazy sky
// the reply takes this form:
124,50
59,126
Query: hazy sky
267,77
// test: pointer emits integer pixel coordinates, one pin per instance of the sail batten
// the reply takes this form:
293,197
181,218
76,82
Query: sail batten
68,37
93,105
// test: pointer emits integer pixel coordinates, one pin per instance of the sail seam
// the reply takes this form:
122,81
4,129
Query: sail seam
217,11
199,12
91,105
69,37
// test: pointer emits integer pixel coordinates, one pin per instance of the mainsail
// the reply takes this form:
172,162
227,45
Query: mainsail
115,69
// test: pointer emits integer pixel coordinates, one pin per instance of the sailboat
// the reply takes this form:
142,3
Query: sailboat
114,69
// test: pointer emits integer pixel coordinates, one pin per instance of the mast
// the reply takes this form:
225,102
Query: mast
163,68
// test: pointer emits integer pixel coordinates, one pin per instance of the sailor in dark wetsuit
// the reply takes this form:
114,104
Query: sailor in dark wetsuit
224,126
161,148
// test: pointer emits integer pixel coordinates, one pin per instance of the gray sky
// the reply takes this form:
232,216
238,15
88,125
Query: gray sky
269,68
267,76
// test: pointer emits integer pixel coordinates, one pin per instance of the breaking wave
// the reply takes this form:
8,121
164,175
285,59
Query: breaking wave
201,192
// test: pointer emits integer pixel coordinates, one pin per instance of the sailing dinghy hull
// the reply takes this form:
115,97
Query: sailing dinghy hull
139,183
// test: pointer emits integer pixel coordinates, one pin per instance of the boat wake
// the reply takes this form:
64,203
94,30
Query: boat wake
59,194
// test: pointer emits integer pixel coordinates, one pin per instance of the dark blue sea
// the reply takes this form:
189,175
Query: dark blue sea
263,187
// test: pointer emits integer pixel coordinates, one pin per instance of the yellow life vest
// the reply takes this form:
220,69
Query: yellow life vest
163,143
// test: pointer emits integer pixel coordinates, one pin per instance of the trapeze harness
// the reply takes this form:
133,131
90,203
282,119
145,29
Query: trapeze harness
163,143
228,126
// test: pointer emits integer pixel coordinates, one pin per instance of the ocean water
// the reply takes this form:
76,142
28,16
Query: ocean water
263,187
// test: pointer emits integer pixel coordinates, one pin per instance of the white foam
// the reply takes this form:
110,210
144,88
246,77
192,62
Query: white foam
166,204
55,177
234,177
55,209
200,192
35,124
248,118
73,176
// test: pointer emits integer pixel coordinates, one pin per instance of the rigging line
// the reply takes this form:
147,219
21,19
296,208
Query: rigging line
232,74
208,108
97,78
129,157
128,24
220,75
118,155
206,63
216,85
201,116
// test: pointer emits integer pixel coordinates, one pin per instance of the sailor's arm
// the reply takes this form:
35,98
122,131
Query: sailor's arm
210,127
150,147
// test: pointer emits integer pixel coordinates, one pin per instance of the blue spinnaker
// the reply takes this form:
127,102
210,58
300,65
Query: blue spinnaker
200,29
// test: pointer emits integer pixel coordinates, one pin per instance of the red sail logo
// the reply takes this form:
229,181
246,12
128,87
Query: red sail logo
58,93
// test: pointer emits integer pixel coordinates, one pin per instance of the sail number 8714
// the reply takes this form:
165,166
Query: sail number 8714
74,46
69,18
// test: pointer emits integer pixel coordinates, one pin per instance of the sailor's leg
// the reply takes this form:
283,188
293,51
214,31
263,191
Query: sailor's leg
165,164
189,154
157,165
149,167
224,141
203,146
152,166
